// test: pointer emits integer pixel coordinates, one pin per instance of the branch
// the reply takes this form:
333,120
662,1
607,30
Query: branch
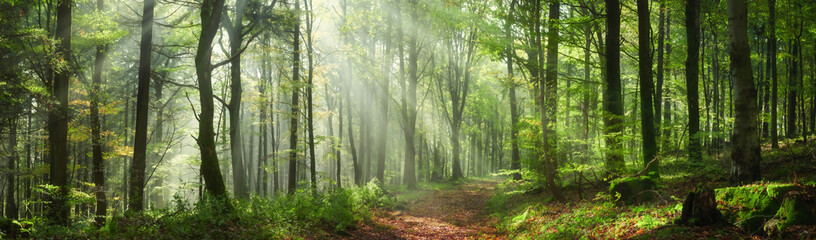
236,54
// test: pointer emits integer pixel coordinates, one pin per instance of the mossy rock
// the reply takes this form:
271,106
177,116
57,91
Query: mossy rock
751,206
797,208
633,189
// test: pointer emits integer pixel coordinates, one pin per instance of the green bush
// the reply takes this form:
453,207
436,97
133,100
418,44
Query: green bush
254,218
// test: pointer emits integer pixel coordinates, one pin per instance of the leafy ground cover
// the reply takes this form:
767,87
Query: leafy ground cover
283,217
524,213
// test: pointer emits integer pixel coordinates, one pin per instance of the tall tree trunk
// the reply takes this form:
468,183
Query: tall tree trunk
96,139
309,90
772,57
11,206
647,121
211,12
293,118
355,165
790,127
549,104
235,32
613,100
658,96
410,105
58,118
746,152
692,70
667,112
339,144
515,160
137,171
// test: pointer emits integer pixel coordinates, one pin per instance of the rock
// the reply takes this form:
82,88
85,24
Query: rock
797,208
700,209
633,189
751,207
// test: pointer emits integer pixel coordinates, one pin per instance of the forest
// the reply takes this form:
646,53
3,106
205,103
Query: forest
407,119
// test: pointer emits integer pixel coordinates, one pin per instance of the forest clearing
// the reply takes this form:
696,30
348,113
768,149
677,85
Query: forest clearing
407,119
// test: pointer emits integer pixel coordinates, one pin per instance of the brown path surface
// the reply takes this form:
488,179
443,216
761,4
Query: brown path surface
456,213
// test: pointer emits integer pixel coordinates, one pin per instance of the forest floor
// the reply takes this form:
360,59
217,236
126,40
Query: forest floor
449,211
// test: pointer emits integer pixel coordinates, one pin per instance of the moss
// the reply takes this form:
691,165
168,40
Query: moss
751,206
797,208
631,189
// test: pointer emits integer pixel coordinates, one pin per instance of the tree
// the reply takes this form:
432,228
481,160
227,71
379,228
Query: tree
772,63
211,11
98,159
746,152
692,70
409,101
460,46
549,103
294,114
137,171
647,127
515,160
309,89
236,32
613,100
661,69
58,117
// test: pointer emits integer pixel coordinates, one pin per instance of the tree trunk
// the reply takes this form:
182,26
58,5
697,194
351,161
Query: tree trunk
613,100
293,118
309,90
549,104
11,206
96,139
746,152
647,121
790,127
658,97
692,70
211,12
667,112
410,106
235,33
772,57
137,170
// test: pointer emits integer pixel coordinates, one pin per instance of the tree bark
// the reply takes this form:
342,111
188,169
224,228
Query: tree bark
236,36
96,139
309,90
692,70
661,68
746,152
549,104
515,161
772,57
211,12
137,170
647,121
613,99
293,118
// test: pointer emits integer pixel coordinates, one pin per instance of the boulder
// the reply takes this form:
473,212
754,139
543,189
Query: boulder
633,189
767,207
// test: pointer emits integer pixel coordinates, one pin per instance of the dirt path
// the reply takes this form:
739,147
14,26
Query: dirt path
442,214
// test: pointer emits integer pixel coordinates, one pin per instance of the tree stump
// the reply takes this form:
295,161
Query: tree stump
700,209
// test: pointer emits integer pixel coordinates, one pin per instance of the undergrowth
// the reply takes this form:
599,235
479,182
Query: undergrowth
285,216
533,216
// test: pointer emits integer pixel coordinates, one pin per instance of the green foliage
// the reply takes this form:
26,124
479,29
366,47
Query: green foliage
750,206
254,218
